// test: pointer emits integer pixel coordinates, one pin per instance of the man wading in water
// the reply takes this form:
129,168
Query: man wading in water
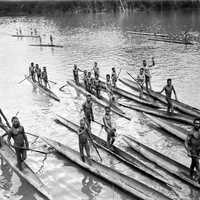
16,132
84,137
169,88
192,145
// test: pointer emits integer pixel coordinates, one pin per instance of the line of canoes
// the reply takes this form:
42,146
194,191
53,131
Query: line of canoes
124,181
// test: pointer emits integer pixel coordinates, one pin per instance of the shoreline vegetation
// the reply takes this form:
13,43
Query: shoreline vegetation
44,7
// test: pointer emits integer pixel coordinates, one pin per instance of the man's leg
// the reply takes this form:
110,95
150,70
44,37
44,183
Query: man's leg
81,151
19,159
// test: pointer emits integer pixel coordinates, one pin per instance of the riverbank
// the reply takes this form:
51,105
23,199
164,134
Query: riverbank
62,6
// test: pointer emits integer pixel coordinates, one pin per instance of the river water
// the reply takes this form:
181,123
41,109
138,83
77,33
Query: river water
87,38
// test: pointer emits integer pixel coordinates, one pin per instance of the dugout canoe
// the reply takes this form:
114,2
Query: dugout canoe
173,129
180,106
46,45
103,102
171,41
133,97
122,175
160,113
125,157
26,36
171,166
149,34
27,174
42,89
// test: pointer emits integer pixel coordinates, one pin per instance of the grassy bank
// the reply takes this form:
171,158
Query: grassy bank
51,7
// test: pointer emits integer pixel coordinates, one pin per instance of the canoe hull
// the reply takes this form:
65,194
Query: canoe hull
46,91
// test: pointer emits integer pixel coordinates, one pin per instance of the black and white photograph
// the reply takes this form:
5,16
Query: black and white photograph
99,99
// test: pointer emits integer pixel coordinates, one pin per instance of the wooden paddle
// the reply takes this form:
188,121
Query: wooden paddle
28,149
1,112
24,79
52,82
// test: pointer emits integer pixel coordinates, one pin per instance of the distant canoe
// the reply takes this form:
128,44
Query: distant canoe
172,41
28,36
46,45
149,34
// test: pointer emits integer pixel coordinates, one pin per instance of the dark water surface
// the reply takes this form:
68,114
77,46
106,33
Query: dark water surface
87,38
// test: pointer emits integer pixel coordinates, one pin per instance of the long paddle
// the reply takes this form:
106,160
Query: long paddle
119,73
94,145
61,88
134,79
28,149
1,112
52,82
24,79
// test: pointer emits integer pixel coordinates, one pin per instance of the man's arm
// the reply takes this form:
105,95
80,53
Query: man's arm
25,138
162,90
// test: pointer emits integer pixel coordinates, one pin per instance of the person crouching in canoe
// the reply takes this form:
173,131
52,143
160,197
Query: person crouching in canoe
192,145
141,80
75,73
114,78
109,89
17,133
108,128
88,110
45,77
169,88
84,137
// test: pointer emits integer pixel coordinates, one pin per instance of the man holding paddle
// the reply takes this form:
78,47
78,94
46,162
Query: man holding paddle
108,128
169,88
17,133
192,145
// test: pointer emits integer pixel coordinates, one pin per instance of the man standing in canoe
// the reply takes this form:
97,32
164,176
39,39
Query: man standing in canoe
147,73
38,73
88,111
85,79
192,144
75,73
108,128
32,71
89,82
97,86
84,137
17,133
141,80
109,89
169,88
51,40
45,77
96,70
114,77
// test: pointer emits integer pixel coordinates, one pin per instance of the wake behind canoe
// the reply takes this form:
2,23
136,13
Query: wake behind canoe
44,90
27,174
46,45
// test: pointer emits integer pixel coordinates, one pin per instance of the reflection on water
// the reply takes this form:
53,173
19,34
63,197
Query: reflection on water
90,187
88,38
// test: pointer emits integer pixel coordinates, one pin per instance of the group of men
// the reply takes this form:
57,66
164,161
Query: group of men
37,75
144,78
92,81
84,132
